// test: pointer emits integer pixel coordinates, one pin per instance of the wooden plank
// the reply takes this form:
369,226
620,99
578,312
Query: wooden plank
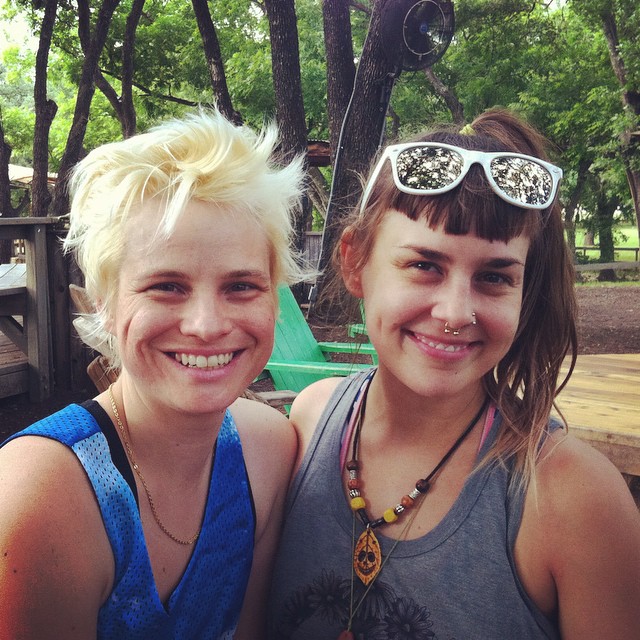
14,379
12,276
602,405
13,228
14,370
14,331
13,302
9,353
36,319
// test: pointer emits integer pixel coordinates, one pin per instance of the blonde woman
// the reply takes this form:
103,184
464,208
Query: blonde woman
153,510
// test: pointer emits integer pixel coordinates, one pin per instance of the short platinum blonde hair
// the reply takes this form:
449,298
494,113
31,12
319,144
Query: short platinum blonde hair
200,157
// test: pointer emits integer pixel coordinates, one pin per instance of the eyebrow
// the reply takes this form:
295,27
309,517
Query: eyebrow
249,273
438,256
238,273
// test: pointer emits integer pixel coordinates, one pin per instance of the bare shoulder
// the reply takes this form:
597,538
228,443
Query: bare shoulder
577,482
587,529
269,446
307,409
57,566
259,424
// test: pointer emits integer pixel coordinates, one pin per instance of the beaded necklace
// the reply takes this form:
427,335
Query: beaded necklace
367,558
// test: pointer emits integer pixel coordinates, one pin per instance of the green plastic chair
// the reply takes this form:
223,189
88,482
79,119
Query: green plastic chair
298,359
358,328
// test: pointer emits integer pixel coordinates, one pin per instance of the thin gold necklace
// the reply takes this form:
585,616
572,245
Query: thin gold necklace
136,468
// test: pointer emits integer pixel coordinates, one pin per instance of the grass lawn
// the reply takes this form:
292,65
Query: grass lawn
625,237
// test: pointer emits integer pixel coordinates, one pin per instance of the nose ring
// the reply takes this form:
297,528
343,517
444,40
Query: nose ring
448,329
456,332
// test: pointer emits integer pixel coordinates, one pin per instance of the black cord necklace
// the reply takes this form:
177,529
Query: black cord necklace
367,558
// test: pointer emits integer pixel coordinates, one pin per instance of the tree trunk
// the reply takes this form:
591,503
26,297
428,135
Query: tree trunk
287,83
318,191
121,104
341,68
45,112
129,119
213,56
362,131
633,178
86,89
631,104
572,205
6,208
605,208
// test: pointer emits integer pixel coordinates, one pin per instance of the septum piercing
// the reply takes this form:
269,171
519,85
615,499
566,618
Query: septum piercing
456,332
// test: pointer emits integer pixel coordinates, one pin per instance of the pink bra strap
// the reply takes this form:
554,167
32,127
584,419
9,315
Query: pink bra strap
488,423
355,412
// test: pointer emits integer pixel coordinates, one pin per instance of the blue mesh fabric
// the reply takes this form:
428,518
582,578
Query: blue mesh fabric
206,603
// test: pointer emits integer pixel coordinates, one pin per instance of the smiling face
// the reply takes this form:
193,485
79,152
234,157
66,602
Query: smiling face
194,315
418,278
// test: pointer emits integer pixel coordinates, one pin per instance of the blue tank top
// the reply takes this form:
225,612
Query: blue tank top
206,603
459,581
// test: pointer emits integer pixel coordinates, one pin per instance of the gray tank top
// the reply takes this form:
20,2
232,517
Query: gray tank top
458,582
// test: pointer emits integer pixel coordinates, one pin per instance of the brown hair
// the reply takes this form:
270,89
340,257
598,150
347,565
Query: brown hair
525,382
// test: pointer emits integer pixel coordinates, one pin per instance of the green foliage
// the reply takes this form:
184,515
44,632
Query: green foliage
549,61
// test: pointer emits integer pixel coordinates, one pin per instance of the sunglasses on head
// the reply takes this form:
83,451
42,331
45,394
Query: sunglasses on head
431,168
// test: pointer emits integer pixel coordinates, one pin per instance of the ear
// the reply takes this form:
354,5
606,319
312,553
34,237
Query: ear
109,320
349,267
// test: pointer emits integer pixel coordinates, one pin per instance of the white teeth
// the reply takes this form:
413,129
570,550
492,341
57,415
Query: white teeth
204,362
444,347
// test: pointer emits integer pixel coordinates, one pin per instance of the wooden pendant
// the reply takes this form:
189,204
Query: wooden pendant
367,559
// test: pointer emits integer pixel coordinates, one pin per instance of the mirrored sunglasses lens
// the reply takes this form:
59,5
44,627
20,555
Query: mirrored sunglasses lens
427,168
523,180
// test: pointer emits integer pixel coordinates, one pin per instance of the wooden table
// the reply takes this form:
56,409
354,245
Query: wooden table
602,405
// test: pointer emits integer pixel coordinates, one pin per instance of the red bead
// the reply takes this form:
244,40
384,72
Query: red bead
353,484
353,465
346,635
407,502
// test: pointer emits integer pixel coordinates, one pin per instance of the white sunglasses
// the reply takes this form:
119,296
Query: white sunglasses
431,168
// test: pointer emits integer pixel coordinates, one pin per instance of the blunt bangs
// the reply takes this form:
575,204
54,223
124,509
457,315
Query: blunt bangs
472,208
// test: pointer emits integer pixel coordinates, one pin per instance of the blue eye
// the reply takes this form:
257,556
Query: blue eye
169,287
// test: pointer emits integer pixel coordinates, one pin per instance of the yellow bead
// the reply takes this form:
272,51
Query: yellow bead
358,503
390,515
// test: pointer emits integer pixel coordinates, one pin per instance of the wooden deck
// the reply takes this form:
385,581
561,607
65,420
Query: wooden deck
602,405
14,365
14,369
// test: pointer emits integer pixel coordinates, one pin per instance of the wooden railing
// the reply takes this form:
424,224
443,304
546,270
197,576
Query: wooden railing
24,308
593,247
